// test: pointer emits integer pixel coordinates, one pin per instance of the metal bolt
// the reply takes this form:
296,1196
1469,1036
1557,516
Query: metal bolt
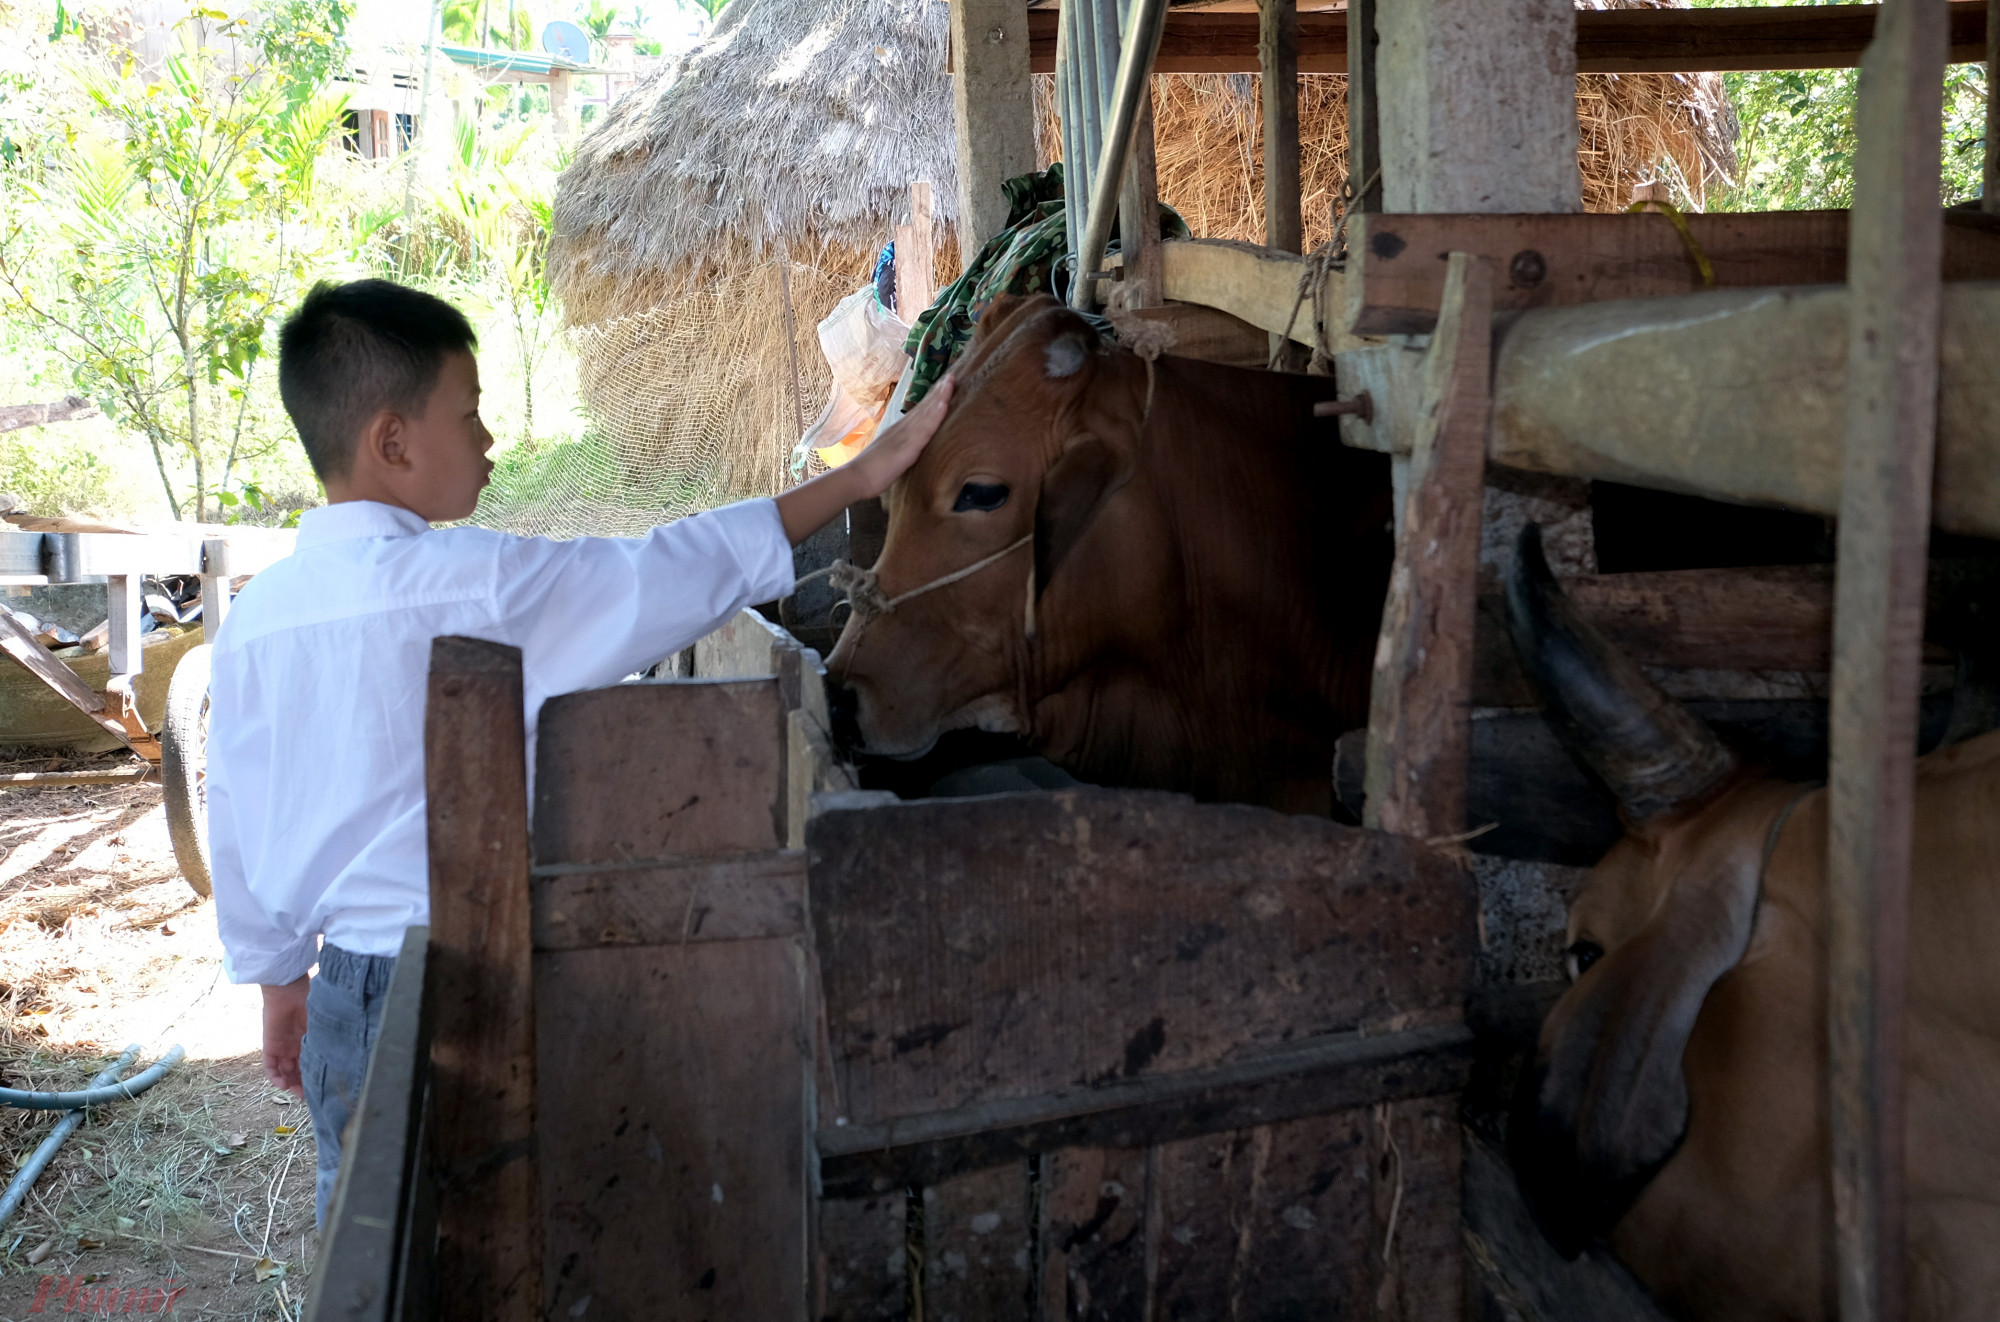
994,36
1361,406
1528,269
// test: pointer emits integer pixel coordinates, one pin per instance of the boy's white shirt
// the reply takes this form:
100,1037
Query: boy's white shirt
316,717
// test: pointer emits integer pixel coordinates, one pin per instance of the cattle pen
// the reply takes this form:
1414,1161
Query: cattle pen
715,1032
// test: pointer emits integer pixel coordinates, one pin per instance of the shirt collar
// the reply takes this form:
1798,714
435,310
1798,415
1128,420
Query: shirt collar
352,520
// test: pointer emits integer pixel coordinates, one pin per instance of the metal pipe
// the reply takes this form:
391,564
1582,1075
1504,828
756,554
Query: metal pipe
1093,100
31,1170
57,779
1067,107
1135,68
104,1088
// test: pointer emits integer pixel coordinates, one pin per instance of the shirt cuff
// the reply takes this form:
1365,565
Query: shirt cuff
756,534
272,968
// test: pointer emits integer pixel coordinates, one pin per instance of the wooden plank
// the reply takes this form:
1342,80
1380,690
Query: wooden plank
1891,434
914,284
1254,284
1142,273
1363,187
483,1047
356,1276
17,642
1278,67
1418,724
1211,335
977,1241
993,110
1313,1077
1989,172
1395,275
1415,1148
695,771
1607,40
642,903
674,1168
675,1184
1537,1281
859,1251
746,646
1014,946
1095,1234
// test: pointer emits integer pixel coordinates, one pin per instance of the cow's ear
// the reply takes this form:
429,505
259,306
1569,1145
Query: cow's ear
995,321
1604,1104
1073,490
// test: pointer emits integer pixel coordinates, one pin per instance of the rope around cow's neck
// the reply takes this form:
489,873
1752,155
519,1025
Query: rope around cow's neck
863,587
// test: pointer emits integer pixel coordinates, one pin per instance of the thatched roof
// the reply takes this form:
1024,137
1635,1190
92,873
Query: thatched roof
796,123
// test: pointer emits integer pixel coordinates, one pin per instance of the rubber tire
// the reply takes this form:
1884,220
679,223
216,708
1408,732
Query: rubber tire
184,764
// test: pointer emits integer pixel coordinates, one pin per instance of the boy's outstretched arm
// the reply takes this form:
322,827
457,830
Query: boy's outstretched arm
807,508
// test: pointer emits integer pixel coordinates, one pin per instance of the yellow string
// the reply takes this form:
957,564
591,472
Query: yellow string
1680,224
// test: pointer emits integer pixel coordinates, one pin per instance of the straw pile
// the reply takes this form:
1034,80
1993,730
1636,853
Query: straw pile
1634,128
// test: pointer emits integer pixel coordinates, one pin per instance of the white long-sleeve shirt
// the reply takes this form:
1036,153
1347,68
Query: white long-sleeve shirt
316,717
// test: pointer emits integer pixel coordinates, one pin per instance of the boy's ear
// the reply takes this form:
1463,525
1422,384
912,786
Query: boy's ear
381,443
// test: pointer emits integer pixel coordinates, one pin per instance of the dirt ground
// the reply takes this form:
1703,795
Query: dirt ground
205,1183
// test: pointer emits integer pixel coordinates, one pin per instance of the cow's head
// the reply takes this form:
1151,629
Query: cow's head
1667,912
1039,440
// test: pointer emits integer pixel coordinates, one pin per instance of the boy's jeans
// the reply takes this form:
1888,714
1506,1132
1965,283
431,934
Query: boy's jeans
343,1014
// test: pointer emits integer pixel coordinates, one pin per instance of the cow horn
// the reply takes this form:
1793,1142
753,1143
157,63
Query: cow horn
1646,748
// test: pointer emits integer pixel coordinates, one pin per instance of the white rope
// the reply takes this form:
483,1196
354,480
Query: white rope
864,589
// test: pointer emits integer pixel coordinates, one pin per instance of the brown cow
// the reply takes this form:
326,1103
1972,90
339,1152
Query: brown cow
1179,570
1677,1102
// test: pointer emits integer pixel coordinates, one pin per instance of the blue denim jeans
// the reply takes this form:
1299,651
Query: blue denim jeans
343,1015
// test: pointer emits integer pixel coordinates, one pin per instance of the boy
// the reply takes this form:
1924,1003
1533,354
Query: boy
316,758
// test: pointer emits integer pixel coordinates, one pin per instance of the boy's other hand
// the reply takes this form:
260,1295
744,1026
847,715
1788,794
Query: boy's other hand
284,1030
897,446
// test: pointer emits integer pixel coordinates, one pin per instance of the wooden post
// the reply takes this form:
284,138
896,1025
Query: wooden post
483,1047
1892,375
993,109
1364,124
1989,189
915,283
1419,720
1139,217
1278,68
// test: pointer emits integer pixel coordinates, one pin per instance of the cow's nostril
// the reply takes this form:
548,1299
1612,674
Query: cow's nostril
843,710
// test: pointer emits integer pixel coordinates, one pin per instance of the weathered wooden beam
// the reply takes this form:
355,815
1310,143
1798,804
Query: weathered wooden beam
1736,395
1141,283
375,1262
1253,284
1363,187
992,101
483,1047
1607,40
1419,718
665,902
1885,498
1395,274
1278,63
1312,1077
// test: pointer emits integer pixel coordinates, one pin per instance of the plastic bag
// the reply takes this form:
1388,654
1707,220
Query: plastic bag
863,344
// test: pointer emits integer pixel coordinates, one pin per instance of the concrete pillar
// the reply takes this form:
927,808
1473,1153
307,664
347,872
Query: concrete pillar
993,102
1478,105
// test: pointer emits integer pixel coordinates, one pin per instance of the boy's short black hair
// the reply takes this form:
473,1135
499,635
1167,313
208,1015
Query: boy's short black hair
352,350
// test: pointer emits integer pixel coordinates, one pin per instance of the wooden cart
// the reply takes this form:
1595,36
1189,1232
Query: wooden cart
159,713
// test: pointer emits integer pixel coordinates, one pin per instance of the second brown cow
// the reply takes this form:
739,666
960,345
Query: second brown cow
1162,574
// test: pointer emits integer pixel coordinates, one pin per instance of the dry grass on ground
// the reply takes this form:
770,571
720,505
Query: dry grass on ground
207,1180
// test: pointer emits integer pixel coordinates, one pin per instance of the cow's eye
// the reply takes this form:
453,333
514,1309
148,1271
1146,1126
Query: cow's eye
982,496
1582,955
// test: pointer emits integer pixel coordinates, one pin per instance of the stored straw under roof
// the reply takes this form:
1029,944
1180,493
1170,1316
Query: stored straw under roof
725,204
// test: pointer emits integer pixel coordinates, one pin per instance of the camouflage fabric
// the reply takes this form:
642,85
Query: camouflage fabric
1025,258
